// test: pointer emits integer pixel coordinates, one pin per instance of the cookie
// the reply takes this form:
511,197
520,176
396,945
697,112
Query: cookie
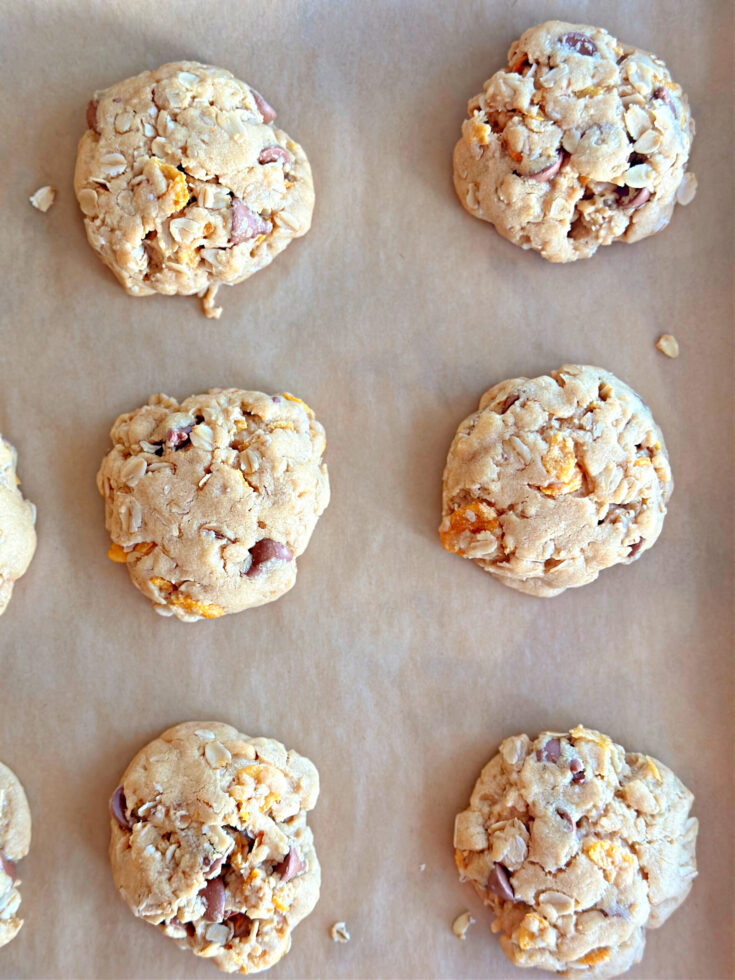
209,842
210,502
555,478
15,840
186,184
580,141
17,525
577,847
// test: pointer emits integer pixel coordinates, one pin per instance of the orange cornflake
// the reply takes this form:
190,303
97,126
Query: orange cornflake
117,554
278,904
609,857
207,610
473,519
177,185
293,398
560,462
144,547
594,957
186,602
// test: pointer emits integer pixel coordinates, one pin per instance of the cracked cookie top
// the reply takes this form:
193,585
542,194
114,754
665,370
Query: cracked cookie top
555,478
577,846
185,183
209,842
580,141
15,840
210,502
17,525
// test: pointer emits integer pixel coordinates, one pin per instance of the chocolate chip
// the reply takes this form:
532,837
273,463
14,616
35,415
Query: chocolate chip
246,224
8,867
92,115
241,924
632,197
272,153
264,108
510,400
635,548
176,438
499,884
580,42
213,894
291,866
265,550
548,172
118,808
550,751
577,770
214,868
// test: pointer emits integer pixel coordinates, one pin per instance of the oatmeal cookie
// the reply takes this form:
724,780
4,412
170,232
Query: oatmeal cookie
577,847
555,478
185,183
15,840
579,142
209,502
17,525
209,842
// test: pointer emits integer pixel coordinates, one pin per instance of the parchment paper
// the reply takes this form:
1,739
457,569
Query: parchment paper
396,667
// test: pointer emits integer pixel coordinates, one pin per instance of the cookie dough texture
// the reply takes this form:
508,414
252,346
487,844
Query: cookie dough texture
210,502
185,183
577,847
15,840
555,478
209,842
17,525
579,142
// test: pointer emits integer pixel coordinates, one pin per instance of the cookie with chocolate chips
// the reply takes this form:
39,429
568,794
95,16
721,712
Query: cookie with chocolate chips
185,182
554,479
15,840
209,502
580,141
577,847
209,842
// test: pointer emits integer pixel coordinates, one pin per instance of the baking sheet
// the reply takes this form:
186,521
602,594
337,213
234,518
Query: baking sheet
396,667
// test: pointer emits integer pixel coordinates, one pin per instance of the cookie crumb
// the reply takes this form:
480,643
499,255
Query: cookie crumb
461,924
668,345
339,933
422,867
208,308
43,198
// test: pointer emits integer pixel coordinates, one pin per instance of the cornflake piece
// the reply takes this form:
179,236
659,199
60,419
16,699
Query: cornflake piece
339,933
43,198
461,924
668,345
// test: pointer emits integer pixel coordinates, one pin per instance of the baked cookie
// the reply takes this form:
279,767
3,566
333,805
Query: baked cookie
577,847
209,842
15,840
209,502
555,478
17,525
185,183
579,142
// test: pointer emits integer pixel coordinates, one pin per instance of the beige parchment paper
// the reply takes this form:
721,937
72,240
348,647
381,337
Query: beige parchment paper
396,667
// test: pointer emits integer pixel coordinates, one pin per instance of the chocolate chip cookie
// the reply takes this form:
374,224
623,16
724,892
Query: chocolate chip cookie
185,183
577,847
17,525
209,842
15,840
578,142
210,502
555,478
